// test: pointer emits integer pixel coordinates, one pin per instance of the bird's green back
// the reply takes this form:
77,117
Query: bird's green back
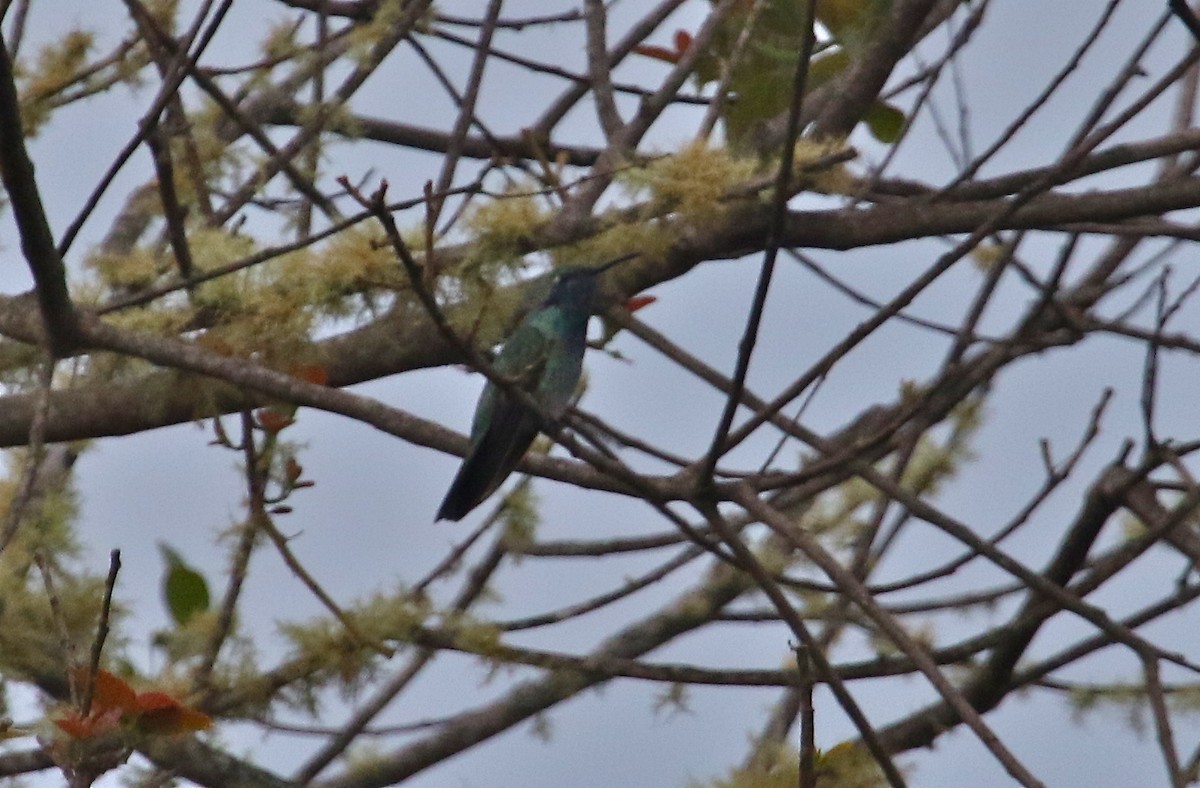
521,360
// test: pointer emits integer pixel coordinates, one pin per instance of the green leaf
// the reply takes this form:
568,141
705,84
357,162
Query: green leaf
185,591
885,122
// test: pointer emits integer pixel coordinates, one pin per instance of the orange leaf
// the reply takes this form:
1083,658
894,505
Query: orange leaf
155,701
193,719
634,303
272,420
656,52
160,713
682,40
109,692
293,470
77,726
113,700
313,373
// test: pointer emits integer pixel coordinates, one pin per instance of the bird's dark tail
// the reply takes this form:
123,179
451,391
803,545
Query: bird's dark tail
458,501
467,490
486,468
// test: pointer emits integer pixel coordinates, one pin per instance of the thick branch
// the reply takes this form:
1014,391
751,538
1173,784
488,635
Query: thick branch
858,89
207,765
407,340
37,242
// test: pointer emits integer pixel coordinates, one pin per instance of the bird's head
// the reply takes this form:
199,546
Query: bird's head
578,285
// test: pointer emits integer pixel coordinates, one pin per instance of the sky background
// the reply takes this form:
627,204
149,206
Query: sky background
368,522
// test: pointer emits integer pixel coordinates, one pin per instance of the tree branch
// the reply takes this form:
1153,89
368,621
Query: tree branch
37,242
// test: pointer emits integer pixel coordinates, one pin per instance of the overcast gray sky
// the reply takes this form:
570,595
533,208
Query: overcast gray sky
368,522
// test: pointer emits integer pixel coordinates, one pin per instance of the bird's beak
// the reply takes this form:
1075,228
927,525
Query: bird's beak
634,303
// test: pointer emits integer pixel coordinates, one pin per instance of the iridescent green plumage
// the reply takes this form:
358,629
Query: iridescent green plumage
544,357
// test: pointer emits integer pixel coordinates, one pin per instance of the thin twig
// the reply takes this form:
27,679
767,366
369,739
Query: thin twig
598,68
102,630
1162,722
904,641
34,452
820,663
66,642
466,111
808,720
348,623
779,199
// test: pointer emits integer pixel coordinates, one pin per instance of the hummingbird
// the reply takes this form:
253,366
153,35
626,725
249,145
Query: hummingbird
544,356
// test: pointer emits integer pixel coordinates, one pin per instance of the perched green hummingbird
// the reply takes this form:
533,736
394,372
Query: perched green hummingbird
544,356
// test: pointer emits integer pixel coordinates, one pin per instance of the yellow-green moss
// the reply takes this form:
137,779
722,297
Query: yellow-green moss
499,229
354,261
651,239
343,660
56,66
847,765
691,182
30,633
363,37
520,517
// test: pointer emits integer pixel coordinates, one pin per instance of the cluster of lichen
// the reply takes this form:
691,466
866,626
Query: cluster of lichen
348,659
811,168
846,765
224,161
57,65
691,183
63,70
1132,699
500,231
479,298
272,310
281,42
935,462
519,517
31,631
363,37
31,645
45,523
